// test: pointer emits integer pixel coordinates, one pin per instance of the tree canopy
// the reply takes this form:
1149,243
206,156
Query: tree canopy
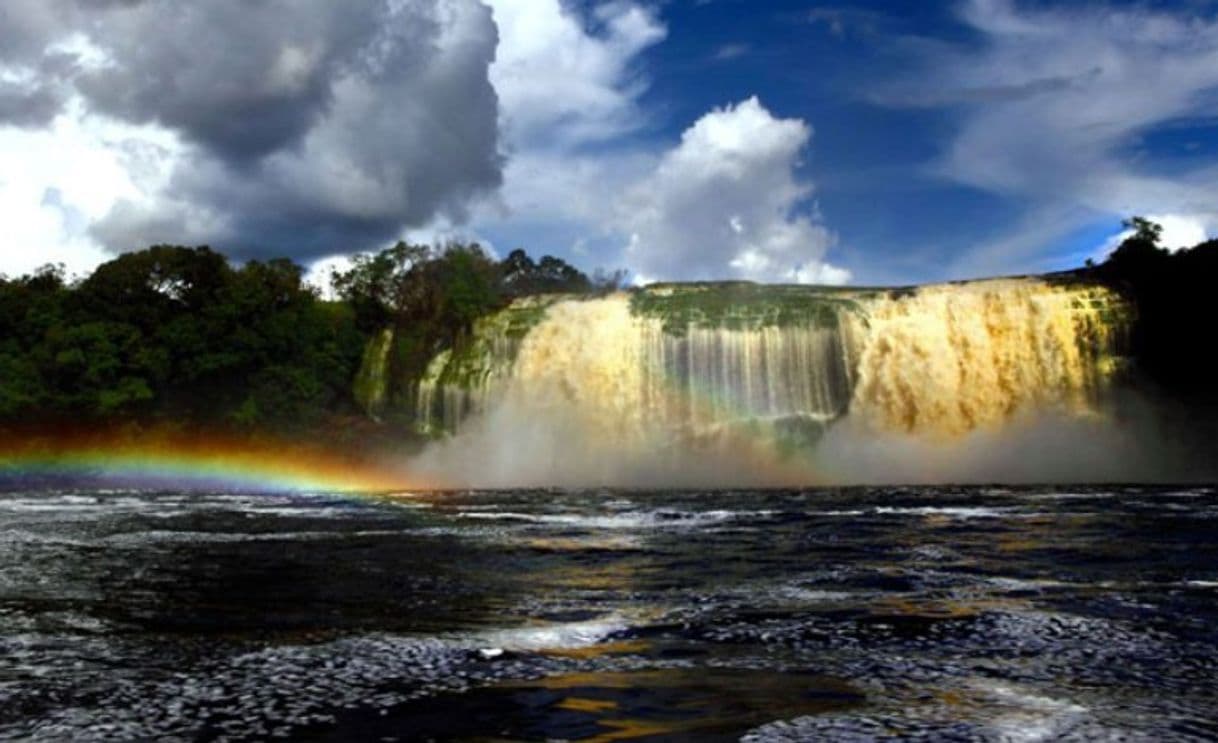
180,335
176,333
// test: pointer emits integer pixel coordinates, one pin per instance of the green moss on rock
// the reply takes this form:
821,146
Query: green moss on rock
371,381
491,348
743,305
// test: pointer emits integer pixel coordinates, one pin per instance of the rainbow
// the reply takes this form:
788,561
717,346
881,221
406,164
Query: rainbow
195,463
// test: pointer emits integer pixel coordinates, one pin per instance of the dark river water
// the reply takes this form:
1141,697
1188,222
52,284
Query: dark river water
857,614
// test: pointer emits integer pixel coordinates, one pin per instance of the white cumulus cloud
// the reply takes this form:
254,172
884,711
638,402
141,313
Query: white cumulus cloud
584,177
561,84
725,202
567,84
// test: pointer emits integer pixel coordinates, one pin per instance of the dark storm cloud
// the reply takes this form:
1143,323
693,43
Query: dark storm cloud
24,106
312,126
243,79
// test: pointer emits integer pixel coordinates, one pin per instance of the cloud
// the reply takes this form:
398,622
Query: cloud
725,202
307,127
585,179
997,93
57,180
563,84
729,52
304,129
27,105
569,85
843,20
583,172
1052,104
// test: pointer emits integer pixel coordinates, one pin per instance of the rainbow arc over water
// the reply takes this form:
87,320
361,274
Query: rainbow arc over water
196,462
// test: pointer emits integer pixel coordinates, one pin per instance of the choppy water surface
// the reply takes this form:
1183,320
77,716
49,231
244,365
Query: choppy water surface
843,614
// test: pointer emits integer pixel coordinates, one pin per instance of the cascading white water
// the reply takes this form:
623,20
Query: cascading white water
721,369
710,375
946,360
626,373
940,359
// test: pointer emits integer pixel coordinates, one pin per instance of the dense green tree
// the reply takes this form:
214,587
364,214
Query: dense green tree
466,287
431,297
1140,251
178,334
521,276
379,286
30,308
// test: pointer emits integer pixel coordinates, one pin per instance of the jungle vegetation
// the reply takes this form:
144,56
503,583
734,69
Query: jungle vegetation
181,336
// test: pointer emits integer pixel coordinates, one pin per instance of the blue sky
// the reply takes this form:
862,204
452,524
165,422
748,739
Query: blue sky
857,142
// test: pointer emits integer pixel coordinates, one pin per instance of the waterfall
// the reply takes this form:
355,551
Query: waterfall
670,365
946,360
371,384
464,382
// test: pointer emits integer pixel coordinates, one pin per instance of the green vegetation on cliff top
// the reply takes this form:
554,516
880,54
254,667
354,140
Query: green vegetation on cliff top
742,305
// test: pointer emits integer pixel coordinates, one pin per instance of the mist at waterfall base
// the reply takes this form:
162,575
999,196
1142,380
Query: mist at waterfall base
1035,447
520,447
998,381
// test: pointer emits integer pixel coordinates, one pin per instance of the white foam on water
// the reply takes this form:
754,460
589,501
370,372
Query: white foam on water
1033,716
625,520
1193,493
961,512
1066,496
303,511
619,504
158,536
1024,584
25,536
811,595
53,506
558,636
267,693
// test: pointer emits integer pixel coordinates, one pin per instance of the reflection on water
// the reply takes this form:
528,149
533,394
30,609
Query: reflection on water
773,615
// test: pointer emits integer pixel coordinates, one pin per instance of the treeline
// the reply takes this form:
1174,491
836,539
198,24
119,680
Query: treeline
175,334
180,336
1172,337
431,299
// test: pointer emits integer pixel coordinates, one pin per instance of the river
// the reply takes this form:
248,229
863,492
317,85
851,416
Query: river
941,613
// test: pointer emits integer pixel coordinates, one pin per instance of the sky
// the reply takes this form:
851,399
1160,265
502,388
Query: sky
790,141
